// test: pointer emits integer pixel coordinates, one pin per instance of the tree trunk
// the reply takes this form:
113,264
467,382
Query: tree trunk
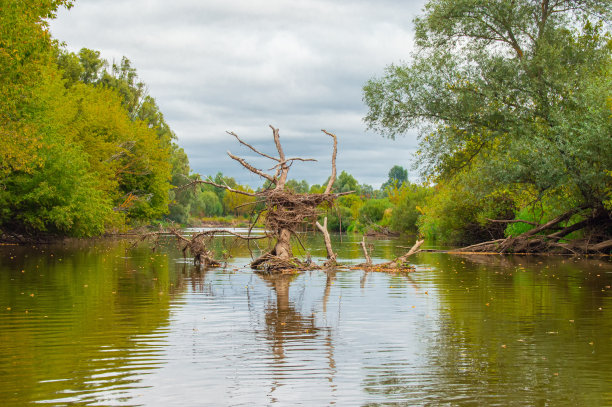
365,252
331,256
282,249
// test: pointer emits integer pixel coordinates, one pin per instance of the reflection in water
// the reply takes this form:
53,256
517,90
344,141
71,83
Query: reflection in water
287,329
511,331
102,324
79,325
283,322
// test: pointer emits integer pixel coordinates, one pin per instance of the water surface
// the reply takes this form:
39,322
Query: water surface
102,323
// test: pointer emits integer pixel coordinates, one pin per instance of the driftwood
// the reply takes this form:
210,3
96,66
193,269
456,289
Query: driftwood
398,264
401,262
549,237
331,256
197,244
365,252
285,212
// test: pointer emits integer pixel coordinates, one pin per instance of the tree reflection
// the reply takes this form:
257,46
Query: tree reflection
84,318
284,324
511,330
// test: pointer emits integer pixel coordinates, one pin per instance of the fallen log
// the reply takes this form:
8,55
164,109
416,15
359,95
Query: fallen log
536,240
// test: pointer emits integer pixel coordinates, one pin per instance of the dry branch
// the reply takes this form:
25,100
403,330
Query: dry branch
541,240
332,178
226,187
285,212
365,252
251,168
251,147
331,256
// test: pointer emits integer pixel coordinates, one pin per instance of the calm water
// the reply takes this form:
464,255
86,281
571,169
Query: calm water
101,323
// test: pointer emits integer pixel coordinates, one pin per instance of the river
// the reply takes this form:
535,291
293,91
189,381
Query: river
99,322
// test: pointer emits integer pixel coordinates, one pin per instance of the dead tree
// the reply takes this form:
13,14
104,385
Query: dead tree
197,244
331,256
285,211
550,237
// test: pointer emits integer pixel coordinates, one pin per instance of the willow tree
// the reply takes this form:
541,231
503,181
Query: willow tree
512,92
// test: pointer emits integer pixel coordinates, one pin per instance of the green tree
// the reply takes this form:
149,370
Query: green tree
208,204
521,85
373,210
238,204
93,65
299,187
182,200
397,176
24,61
409,200
345,183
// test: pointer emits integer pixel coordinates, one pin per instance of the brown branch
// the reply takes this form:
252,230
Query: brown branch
550,224
214,184
252,169
176,234
251,147
331,256
607,244
290,160
332,178
217,231
402,259
490,242
566,231
365,252
283,170
247,204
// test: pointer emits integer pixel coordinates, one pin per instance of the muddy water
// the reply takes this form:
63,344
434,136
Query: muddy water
101,323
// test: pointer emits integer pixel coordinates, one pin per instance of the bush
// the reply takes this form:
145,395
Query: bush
373,210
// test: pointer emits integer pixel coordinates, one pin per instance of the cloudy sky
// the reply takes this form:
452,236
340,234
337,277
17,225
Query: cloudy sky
241,65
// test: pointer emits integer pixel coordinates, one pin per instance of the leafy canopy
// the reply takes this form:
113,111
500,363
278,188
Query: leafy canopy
522,84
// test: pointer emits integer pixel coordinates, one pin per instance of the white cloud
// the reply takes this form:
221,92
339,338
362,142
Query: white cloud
240,65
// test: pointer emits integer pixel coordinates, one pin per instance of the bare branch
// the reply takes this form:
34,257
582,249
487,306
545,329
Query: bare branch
290,160
251,147
214,184
331,256
252,169
550,224
402,259
248,203
332,179
281,153
283,170
365,252
229,232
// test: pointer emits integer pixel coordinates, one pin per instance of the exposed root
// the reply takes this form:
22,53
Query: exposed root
196,245
271,264
548,237
285,211
400,264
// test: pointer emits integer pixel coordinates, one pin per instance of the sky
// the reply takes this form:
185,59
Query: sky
242,65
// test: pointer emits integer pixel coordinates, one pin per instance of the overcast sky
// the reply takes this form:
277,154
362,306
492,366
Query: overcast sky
240,65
